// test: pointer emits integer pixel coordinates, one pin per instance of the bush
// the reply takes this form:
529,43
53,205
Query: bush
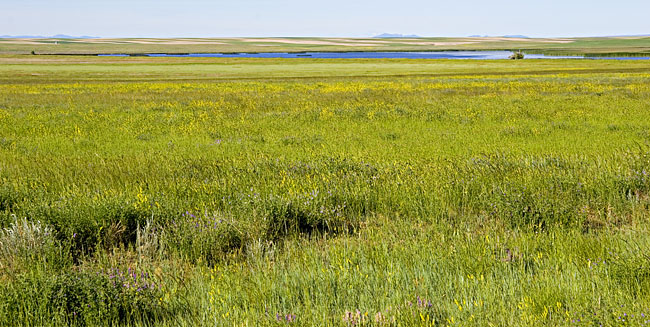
517,55
26,244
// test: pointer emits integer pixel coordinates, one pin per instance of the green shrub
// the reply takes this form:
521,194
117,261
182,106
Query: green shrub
516,55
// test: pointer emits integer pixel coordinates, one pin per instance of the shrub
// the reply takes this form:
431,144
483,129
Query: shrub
517,55
26,243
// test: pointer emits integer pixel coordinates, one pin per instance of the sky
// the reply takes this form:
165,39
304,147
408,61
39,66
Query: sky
329,18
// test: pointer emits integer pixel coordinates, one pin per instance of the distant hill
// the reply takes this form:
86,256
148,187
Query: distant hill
58,36
634,35
508,36
389,35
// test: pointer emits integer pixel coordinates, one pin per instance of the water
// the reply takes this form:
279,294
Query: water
481,55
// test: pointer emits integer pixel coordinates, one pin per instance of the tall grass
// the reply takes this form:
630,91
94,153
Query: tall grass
466,200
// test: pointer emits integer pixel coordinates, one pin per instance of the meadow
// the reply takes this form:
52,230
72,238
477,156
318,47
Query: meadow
622,45
269,192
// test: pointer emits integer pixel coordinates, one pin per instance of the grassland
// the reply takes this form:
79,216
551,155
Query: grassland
633,45
219,192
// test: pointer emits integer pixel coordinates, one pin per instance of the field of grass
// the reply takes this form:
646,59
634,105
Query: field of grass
639,45
258,192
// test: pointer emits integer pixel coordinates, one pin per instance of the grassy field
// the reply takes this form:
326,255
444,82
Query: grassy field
256,192
639,45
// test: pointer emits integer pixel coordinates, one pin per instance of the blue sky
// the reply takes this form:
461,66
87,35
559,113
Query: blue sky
335,18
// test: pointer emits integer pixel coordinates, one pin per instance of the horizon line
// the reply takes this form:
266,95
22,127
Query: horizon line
59,36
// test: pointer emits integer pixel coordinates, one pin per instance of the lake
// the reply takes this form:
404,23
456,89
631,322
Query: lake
481,55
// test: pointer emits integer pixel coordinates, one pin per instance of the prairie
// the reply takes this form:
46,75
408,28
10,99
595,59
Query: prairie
631,45
202,191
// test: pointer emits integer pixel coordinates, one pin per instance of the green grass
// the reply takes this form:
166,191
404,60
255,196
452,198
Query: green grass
360,192
577,46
